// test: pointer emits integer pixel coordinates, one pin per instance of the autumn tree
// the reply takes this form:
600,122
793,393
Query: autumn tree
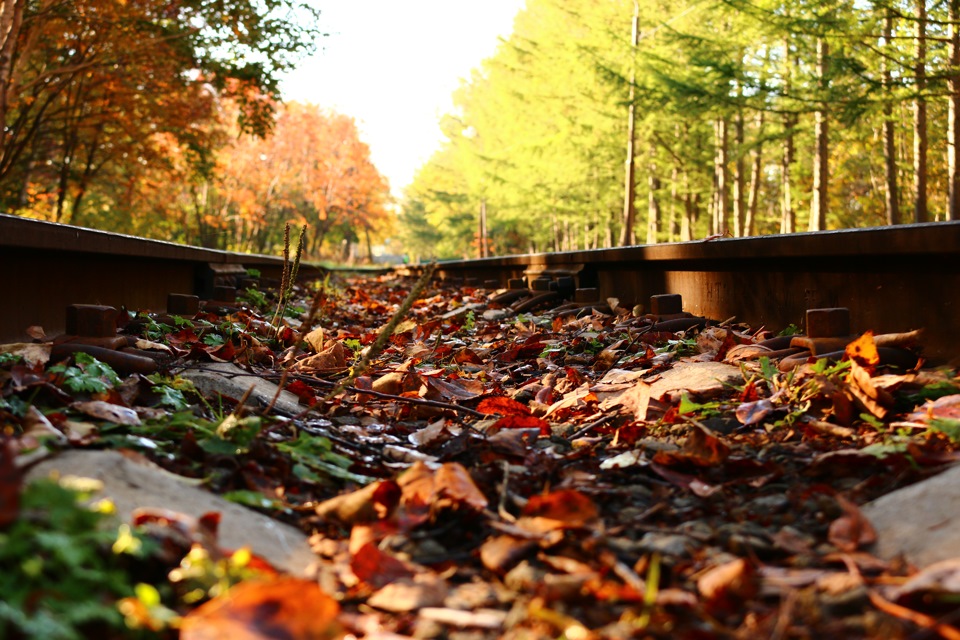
92,88
312,169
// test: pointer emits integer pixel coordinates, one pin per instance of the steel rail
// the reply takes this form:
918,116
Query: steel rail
891,278
44,267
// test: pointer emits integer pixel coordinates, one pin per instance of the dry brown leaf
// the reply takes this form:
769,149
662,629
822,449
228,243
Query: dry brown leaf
32,354
371,503
107,411
315,339
423,590
724,587
501,553
851,530
873,399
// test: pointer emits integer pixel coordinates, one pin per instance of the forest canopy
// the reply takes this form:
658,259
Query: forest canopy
749,116
596,123
163,119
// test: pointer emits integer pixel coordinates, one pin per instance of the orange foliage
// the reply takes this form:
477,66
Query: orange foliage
312,169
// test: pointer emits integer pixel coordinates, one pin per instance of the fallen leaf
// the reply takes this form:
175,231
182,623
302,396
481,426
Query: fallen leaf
371,503
253,610
33,354
451,484
501,553
520,422
864,351
851,530
452,390
315,339
378,569
861,386
562,509
108,411
402,596
750,413
725,586
503,406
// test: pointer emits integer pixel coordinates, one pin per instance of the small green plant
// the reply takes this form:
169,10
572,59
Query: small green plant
156,331
255,298
253,273
214,340
470,321
704,410
790,330
316,461
680,347
353,344
171,391
15,406
294,311
182,322
87,375
10,358
61,574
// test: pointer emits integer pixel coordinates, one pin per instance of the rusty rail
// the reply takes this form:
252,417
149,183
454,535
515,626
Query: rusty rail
891,278
45,267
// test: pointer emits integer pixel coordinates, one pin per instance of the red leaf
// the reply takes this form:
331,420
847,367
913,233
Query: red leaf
376,568
567,507
521,422
303,391
9,485
503,406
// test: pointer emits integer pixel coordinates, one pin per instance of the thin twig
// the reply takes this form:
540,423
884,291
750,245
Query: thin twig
340,388
374,350
276,396
583,431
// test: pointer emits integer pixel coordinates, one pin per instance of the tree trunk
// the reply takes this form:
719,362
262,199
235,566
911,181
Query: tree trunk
720,168
11,18
686,222
787,214
739,179
889,141
755,175
953,126
629,205
821,168
674,194
920,119
653,199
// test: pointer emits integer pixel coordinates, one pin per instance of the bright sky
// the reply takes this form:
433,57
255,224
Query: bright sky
393,66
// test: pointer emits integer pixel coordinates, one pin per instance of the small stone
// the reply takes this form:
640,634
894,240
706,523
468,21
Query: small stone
921,522
233,382
134,483
667,544
771,504
495,315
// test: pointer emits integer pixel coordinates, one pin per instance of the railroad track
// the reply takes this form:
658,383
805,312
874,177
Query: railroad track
892,279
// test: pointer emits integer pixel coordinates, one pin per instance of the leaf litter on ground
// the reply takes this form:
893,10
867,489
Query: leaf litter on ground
570,471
